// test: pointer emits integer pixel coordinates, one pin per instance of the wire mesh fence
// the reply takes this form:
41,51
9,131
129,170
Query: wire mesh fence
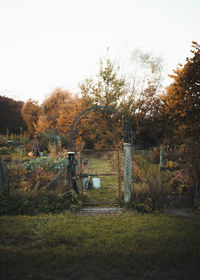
172,171
168,171
35,173
99,173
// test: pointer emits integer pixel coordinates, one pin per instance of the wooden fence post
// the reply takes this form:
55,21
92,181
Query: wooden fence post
4,180
5,174
119,173
160,170
197,176
80,171
1,175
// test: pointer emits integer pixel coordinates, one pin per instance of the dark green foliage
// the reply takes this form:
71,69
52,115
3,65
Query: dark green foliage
146,206
44,162
49,136
34,202
145,203
10,115
4,151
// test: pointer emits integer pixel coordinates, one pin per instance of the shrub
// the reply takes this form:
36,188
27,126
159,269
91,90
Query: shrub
3,141
154,155
17,174
34,202
6,158
4,151
145,206
146,199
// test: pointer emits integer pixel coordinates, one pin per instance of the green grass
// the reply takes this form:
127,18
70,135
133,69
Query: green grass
127,246
108,192
101,195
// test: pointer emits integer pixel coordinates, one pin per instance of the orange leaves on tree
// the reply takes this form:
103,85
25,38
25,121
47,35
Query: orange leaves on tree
182,99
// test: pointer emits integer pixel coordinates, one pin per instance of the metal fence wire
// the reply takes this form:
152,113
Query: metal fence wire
100,169
172,173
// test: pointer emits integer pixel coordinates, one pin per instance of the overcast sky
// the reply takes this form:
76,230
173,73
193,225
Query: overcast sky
46,44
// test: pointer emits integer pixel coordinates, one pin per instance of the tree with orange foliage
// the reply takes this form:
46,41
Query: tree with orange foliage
182,99
30,112
57,113
68,112
51,109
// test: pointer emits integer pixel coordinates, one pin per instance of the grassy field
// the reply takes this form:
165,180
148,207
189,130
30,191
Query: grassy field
127,246
108,192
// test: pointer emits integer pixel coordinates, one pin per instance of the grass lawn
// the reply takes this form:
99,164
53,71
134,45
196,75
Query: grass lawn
108,192
67,246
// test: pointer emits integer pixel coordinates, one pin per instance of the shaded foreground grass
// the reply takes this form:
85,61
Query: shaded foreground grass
127,246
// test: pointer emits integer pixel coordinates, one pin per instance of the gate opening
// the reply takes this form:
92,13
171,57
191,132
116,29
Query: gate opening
103,166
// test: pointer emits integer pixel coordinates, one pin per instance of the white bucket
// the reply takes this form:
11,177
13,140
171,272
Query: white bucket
96,183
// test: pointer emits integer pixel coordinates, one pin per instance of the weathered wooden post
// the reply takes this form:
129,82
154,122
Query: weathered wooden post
5,174
160,170
119,173
197,174
80,171
4,180
1,175
72,171
127,172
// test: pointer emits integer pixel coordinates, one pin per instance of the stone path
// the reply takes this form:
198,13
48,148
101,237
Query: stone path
90,211
93,211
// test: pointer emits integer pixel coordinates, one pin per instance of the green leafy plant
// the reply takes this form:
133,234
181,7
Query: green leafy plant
4,151
34,202
147,206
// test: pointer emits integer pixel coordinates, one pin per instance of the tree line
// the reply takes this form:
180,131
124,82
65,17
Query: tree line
156,116
11,118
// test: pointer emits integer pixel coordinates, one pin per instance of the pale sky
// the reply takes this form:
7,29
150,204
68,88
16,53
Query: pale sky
46,44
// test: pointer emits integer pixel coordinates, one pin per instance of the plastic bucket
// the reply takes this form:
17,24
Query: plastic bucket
85,182
96,183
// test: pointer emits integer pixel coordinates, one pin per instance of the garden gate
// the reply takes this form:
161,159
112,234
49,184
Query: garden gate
101,168
101,164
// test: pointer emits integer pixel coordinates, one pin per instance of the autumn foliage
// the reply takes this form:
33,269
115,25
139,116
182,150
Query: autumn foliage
154,115
182,99
30,112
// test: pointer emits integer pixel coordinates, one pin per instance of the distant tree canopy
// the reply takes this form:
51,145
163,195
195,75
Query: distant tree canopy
108,89
50,110
10,116
154,115
54,116
182,99
145,105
